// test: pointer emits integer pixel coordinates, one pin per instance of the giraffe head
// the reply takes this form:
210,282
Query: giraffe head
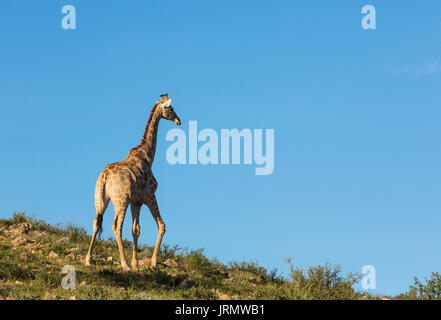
167,110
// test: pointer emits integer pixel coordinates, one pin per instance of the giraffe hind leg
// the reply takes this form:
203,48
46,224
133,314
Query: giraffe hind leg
120,212
97,227
135,232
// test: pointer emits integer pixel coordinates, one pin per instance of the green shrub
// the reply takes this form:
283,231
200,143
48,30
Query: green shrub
19,217
75,233
322,282
250,267
431,290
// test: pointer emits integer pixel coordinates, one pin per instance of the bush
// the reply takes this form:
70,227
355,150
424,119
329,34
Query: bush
431,290
19,217
322,282
75,233
249,267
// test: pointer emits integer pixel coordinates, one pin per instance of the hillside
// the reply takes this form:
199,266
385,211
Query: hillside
33,253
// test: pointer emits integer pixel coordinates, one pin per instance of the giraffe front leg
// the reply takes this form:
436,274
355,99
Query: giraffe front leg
135,232
153,206
117,229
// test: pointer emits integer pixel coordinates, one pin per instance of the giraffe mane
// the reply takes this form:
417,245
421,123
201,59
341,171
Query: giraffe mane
143,140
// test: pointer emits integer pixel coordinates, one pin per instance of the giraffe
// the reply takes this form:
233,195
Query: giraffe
131,181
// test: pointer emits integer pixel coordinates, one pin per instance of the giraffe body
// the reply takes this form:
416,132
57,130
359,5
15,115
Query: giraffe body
131,182
140,182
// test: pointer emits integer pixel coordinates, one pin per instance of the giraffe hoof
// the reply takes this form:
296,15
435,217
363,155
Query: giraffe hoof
125,267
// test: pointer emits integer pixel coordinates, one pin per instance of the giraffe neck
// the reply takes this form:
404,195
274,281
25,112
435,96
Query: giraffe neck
147,148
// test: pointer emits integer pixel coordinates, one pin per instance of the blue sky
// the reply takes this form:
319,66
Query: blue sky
356,116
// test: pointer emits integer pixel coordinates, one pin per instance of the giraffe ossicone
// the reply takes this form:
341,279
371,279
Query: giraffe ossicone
131,181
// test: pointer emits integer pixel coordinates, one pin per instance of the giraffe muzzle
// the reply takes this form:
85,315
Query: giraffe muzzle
177,121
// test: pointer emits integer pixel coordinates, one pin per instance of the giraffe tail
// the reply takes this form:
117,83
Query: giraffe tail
101,200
